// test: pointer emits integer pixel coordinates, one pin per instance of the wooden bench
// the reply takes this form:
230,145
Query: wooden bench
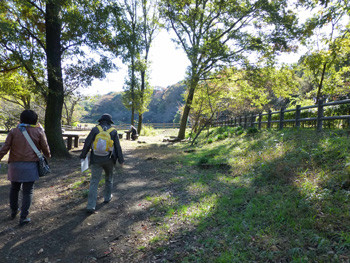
70,136
128,134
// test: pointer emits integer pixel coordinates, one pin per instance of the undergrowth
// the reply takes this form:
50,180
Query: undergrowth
258,196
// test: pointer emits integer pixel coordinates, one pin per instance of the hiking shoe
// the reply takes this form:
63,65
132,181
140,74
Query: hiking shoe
90,211
107,201
14,213
24,221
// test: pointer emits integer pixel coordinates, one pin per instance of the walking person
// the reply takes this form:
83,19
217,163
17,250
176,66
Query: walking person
103,141
23,162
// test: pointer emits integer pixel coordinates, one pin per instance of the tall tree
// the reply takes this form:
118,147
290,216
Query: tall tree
55,96
127,22
150,26
330,27
217,32
38,35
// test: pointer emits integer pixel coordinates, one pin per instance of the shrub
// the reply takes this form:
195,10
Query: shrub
252,130
147,131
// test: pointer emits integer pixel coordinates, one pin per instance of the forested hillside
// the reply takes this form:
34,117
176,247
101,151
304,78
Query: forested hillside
162,109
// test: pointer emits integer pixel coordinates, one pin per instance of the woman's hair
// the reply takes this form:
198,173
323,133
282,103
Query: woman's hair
29,117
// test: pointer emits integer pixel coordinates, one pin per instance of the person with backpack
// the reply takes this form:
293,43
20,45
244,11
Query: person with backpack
103,141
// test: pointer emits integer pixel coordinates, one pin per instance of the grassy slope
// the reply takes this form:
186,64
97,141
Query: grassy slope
271,196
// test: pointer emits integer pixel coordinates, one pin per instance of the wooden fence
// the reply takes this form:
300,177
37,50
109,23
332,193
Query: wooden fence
153,125
298,117
124,126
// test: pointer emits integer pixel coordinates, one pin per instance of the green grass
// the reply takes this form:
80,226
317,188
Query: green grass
281,196
3,137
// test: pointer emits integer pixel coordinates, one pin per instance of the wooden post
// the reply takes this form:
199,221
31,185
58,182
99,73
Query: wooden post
269,116
245,121
319,115
240,121
260,117
252,120
281,118
235,121
297,116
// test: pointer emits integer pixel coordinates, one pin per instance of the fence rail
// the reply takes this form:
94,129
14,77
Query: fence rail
297,120
124,126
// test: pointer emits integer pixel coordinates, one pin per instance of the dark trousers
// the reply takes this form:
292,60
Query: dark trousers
27,196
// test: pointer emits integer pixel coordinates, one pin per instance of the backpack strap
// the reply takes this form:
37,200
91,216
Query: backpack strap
99,127
110,130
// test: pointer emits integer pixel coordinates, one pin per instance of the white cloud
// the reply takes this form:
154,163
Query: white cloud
168,66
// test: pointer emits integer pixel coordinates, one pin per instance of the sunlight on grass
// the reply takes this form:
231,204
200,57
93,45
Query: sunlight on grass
198,210
197,188
283,197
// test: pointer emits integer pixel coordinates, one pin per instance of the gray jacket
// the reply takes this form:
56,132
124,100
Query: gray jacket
117,153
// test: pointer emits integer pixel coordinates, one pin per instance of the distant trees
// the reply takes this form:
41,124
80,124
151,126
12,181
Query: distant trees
136,23
242,91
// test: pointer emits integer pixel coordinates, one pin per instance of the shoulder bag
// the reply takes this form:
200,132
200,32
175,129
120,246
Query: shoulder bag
43,165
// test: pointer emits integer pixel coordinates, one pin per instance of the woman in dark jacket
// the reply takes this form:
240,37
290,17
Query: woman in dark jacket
23,162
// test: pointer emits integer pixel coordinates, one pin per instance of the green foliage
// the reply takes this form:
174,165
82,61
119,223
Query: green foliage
252,130
147,131
211,43
325,66
9,115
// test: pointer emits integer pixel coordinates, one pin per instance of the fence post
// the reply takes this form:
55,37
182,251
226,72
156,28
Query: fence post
235,121
245,121
319,115
240,121
260,117
297,116
252,120
269,119
281,118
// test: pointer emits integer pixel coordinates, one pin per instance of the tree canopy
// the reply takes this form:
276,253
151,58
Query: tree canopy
49,49
215,33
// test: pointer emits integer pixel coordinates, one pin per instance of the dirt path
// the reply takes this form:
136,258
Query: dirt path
61,231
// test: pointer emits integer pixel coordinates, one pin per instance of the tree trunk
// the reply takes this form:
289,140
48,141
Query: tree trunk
321,82
139,125
55,98
186,112
143,83
71,112
132,88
